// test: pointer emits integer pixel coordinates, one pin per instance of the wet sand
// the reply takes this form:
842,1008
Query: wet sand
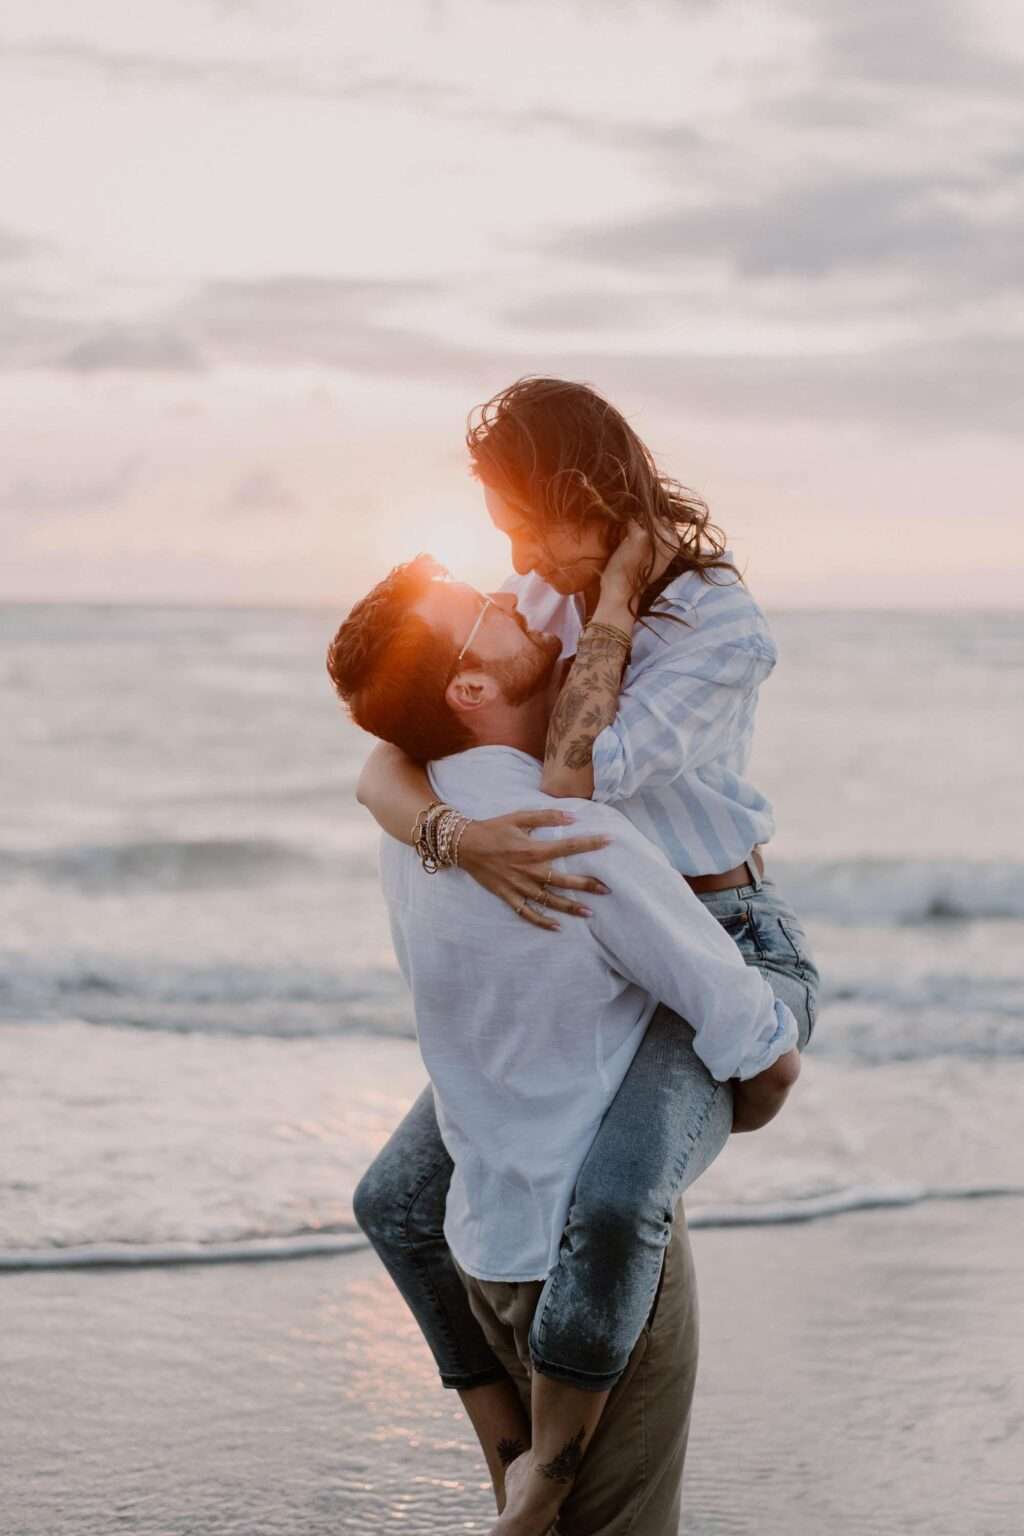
862,1374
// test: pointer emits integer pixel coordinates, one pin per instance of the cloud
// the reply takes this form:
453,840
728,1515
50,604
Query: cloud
323,80
924,44
609,129
29,336
584,310
135,348
939,383
32,497
289,320
259,491
940,230
278,321
977,387
15,246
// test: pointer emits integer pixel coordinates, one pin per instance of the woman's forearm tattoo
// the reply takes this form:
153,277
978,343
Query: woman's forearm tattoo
587,702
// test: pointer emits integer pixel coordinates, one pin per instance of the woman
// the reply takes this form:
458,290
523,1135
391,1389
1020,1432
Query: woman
656,717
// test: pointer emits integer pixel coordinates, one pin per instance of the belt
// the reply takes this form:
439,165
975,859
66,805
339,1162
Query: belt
744,874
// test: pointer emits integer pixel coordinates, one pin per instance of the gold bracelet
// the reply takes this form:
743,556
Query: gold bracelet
457,840
611,632
426,842
421,816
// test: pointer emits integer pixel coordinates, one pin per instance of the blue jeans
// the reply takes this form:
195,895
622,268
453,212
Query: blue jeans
665,1126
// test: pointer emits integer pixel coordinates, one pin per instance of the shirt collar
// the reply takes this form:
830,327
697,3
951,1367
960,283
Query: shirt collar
475,779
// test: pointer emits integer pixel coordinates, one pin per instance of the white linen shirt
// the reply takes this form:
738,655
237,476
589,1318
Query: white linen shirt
674,758
527,1034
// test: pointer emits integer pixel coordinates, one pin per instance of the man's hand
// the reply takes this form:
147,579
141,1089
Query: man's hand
759,1100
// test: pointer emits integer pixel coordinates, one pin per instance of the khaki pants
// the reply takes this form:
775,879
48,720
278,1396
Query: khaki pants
631,1477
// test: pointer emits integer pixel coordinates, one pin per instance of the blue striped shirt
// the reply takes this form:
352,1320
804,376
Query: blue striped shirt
674,758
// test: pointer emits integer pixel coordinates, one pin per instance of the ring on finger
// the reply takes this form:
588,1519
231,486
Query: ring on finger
519,909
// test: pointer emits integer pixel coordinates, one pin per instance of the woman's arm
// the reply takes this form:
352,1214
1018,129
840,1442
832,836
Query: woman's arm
589,699
587,703
394,790
499,853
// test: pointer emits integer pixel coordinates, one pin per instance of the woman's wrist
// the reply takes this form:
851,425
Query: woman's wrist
613,609
437,835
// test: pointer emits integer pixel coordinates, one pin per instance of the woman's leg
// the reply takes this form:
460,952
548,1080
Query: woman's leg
771,938
666,1125
400,1204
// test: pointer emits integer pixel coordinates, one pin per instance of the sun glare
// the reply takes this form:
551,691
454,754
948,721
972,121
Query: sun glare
467,544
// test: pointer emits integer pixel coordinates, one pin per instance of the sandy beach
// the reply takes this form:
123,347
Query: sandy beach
863,1374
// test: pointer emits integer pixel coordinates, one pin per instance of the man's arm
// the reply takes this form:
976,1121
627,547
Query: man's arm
657,934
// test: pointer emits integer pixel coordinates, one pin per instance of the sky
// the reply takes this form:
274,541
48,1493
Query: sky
259,259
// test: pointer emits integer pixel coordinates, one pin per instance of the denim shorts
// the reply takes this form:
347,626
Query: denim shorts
771,938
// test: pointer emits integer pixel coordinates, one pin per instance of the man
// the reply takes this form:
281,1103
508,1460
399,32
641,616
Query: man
528,1043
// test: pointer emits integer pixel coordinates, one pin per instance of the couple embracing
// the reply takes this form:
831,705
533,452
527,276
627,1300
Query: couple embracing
606,982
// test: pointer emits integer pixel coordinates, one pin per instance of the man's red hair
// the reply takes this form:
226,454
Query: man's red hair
392,669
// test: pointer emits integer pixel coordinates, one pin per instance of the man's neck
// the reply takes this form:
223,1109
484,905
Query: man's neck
524,726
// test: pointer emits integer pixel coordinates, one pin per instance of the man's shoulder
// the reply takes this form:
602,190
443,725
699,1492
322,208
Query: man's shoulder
492,781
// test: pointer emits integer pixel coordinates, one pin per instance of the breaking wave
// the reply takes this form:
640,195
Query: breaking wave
162,864
879,892
310,1243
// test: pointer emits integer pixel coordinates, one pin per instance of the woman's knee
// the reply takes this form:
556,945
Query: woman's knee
383,1198
620,1219
399,1207
374,1205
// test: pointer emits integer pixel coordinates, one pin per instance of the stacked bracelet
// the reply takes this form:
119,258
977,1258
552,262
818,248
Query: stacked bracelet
437,835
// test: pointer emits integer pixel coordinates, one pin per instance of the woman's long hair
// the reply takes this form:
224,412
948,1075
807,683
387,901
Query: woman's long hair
560,454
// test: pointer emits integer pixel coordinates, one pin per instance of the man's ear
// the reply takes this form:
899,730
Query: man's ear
470,691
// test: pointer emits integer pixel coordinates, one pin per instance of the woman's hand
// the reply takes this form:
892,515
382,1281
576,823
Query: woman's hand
501,856
627,573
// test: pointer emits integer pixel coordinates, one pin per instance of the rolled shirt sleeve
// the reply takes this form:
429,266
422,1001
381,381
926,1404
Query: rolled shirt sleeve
677,715
658,935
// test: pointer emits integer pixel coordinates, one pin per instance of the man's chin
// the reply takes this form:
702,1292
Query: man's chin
550,644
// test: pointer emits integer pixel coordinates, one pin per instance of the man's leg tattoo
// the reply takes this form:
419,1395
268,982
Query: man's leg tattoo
563,1467
509,1449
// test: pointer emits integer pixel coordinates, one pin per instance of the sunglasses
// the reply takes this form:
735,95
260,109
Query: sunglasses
487,603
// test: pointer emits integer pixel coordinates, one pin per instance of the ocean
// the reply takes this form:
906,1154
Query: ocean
203,1033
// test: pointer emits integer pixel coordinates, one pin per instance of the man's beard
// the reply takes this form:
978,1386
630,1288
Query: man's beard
528,675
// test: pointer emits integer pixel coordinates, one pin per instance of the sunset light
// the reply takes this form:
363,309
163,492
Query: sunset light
428,985
463,541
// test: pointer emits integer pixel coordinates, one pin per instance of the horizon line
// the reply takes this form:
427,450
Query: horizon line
322,604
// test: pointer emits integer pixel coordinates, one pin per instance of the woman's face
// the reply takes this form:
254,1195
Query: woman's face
568,559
